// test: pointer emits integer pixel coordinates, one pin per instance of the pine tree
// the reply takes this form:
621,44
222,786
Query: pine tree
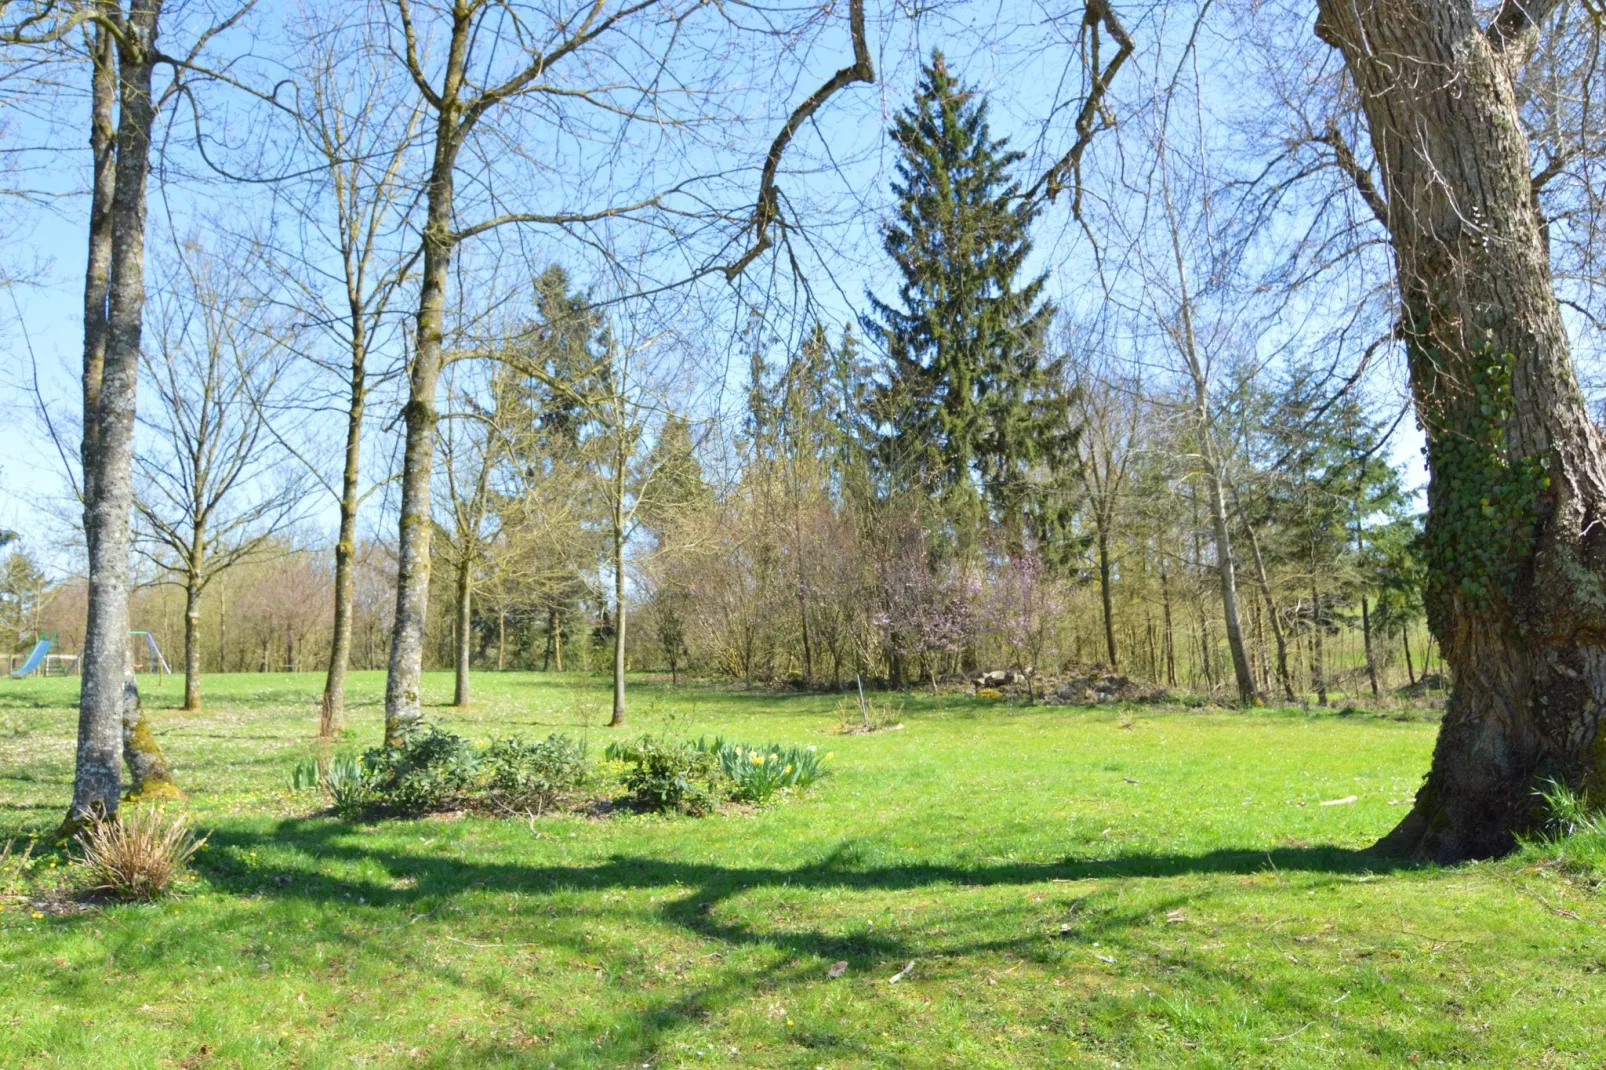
967,388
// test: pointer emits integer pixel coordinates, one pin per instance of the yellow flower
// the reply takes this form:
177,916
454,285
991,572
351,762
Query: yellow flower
788,769
37,915
758,759
829,755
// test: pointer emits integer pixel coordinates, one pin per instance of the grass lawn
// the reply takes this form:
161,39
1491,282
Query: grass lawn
1107,886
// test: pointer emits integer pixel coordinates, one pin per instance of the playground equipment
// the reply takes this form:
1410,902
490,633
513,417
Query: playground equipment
146,656
157,663
35,659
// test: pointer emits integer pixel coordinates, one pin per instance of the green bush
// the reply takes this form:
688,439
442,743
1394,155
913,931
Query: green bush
530,777
759,772
430,770
671,776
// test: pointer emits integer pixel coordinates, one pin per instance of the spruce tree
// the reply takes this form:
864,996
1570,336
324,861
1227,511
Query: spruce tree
967,388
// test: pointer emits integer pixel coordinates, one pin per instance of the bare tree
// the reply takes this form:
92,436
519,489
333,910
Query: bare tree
209,488
358,131
1110,409
471,444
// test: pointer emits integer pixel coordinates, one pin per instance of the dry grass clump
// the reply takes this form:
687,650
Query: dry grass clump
138,854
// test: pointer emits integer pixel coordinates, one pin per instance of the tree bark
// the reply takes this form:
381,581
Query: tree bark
1410,670
109,432
402,707
1517,488
149,775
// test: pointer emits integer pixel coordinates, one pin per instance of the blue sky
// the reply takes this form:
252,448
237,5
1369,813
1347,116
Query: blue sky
1022,54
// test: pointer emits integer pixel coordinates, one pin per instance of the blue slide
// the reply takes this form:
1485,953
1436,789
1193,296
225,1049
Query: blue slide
35,659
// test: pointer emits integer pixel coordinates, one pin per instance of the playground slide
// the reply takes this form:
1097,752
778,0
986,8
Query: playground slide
35,659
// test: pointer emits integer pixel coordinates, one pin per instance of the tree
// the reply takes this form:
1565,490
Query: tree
24,591
463,87
124,60
470,450
209,491
1110,413
1517,489
964,340
357,134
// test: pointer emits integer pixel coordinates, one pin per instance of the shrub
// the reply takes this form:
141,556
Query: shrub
759,772
430,770
532,777
671,776
138,854
341,777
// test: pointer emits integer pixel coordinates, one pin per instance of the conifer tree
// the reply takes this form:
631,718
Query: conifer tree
967,388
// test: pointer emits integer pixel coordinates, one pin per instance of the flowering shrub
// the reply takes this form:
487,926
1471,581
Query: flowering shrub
759,772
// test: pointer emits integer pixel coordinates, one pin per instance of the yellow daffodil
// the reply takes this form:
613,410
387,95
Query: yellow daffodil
758,759
829,755
788,769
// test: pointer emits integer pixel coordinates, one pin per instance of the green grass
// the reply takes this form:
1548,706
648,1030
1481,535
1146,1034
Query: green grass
1072,886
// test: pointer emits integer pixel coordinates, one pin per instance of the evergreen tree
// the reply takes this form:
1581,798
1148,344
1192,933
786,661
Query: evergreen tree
967,387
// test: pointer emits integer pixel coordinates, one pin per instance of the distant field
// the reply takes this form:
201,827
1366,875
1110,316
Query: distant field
1116,885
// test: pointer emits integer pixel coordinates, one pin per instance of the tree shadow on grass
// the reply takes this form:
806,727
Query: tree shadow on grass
329,862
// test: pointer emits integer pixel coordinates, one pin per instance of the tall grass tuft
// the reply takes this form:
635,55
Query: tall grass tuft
138,854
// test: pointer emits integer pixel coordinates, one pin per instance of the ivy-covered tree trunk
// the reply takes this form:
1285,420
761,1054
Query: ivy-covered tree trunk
1516,534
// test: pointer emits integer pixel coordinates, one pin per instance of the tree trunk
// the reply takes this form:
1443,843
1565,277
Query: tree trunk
1410,671
1169,635
465,598
1228,578
501,637
149,776
1516,536
222,627
803,618
1271,606
1104,594
333,719
109,430
618,718
402,708
1317,659
192,640
97,273
1366,641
